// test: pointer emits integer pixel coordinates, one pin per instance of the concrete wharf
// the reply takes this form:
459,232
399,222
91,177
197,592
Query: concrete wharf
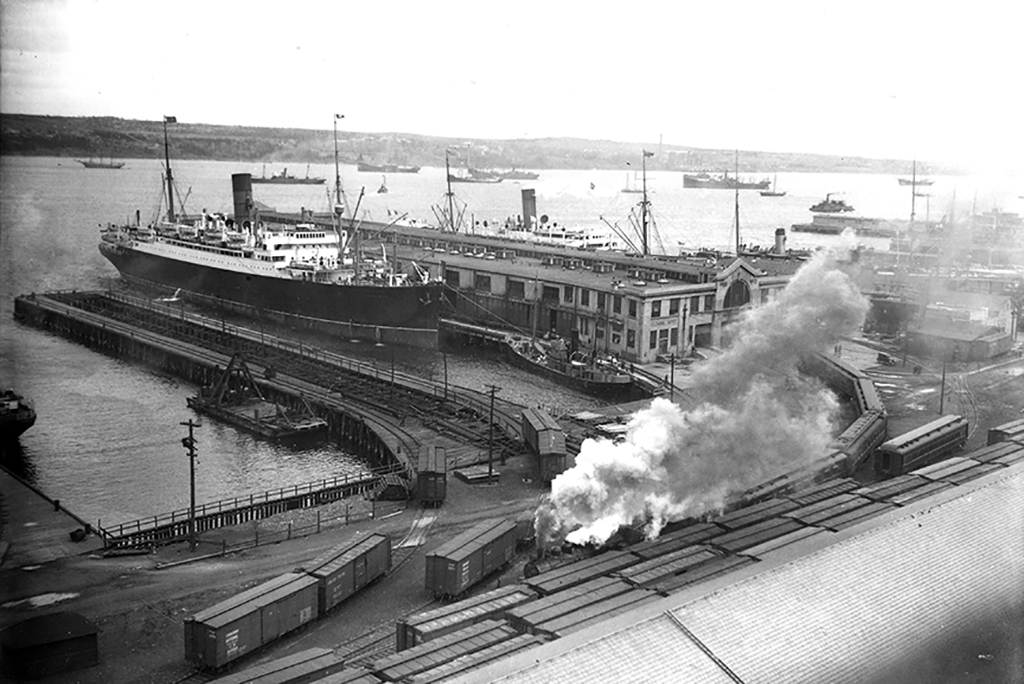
384,415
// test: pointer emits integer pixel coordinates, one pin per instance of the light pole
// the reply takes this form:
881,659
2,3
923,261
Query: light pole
190,444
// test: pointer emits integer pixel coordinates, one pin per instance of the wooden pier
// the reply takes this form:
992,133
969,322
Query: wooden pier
385,417
173,527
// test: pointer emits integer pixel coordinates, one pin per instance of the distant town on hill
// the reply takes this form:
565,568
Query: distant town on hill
60,136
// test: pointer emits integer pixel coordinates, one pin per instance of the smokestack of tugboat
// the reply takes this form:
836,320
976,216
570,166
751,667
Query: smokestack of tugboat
780,240
241,190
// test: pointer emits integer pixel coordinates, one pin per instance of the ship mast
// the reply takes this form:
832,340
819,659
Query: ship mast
736,195
339,199
643,203
448,180
913,191
167,160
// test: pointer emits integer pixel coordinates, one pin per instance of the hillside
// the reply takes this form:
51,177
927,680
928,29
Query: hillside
32,135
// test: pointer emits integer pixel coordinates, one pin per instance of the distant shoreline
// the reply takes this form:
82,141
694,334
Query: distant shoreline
109,137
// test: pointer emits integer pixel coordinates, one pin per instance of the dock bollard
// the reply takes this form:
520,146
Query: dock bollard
56,504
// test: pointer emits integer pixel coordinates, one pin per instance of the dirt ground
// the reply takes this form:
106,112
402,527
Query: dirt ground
140,602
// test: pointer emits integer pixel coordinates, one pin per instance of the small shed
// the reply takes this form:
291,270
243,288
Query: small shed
49,644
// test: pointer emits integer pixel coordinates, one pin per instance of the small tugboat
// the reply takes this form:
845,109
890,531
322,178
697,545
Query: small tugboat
16,414
831,206
235,398
581,371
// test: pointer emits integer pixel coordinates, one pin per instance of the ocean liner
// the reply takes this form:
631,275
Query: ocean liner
289,269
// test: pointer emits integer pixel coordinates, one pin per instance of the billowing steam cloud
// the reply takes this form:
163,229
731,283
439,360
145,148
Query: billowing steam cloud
758,419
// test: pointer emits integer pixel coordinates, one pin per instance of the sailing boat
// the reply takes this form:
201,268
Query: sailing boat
634,189
914,179
383,189
774,192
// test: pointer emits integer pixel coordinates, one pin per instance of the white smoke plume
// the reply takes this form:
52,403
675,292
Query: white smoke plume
758,419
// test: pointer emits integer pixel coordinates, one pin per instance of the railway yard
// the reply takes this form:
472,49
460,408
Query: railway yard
144,598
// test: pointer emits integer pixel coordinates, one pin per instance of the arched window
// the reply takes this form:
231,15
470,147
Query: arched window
737,295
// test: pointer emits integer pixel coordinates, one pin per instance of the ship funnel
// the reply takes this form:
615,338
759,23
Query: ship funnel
780,240
241,189
529,209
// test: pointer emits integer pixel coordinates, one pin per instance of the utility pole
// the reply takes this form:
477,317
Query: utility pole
672,378
490,435
942,390
190,444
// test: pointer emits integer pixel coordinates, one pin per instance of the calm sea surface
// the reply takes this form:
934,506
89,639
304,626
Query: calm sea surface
107,439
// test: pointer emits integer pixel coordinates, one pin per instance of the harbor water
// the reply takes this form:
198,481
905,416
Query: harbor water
107,438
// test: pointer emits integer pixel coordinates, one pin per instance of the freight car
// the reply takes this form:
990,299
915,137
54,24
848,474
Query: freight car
545,438
462,562
833,464
248,621
423,627
345,569
860,440
921,446
432,475
1008,431
305,666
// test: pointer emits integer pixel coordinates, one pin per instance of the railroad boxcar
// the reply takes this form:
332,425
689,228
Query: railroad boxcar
248,621
406,665
921,446
345,569
305,666
833,464
460,563
545,438
435,623
1013,431
867,396
432,475
840,376
862,437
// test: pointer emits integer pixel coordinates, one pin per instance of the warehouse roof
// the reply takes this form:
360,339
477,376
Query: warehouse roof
929,592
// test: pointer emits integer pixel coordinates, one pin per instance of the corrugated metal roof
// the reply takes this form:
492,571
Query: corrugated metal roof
871,602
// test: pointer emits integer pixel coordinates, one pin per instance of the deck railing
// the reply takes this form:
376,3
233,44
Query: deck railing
152,523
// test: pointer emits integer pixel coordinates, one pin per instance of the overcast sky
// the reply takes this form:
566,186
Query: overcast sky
931,80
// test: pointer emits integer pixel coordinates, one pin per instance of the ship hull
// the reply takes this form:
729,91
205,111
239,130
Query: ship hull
402,315
288,181
723,184
385,168
618,389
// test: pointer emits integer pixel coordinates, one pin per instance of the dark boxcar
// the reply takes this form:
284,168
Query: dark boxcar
524,617
432,475
350,675
595,612
412,661
305,666
473,661
1013,431
458,564
583,571
347,568
545,438
454,616
244,623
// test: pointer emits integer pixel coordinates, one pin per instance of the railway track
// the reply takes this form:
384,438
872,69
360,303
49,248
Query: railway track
382,396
